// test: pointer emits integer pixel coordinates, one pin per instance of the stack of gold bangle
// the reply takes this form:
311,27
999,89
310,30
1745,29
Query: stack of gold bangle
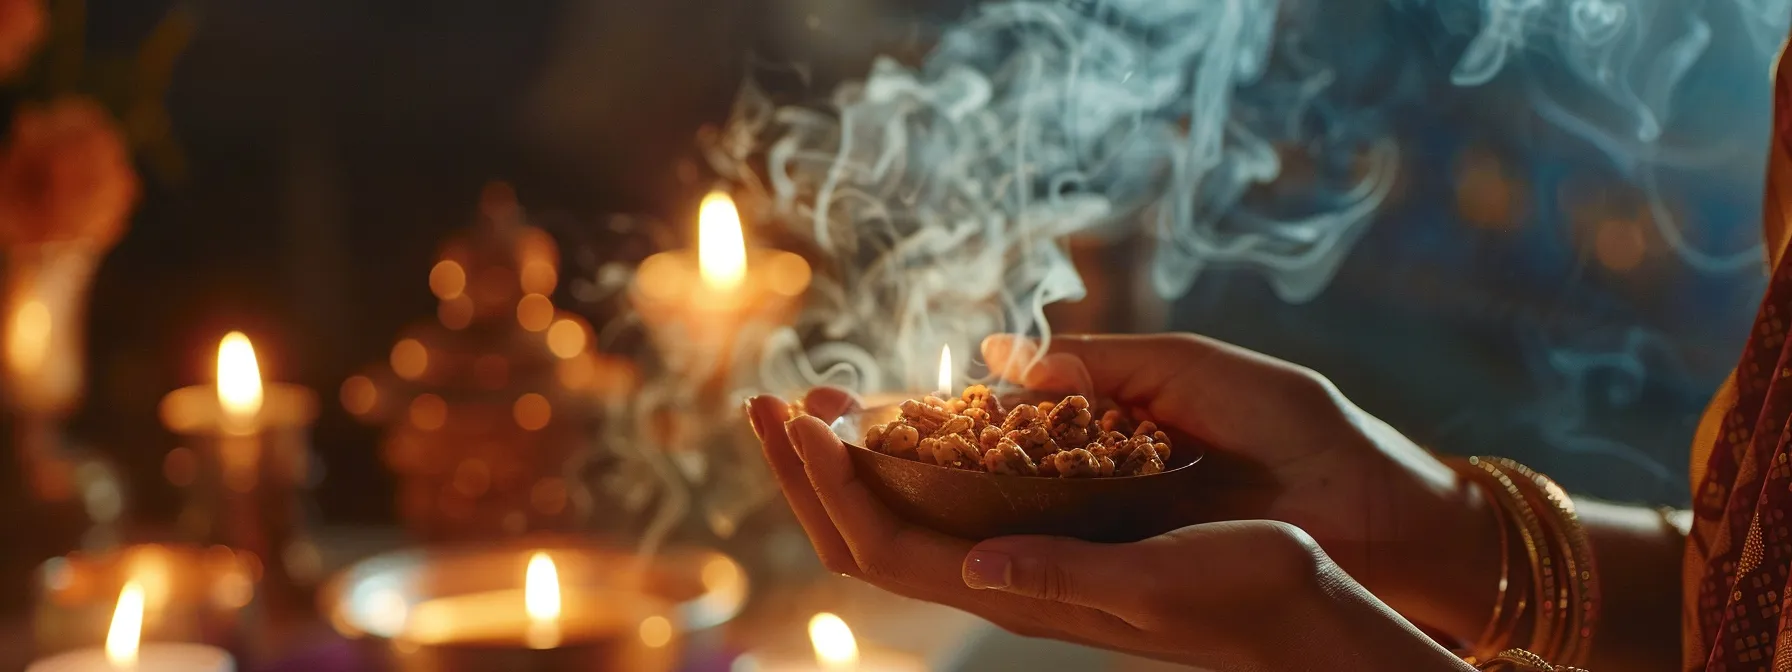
1563,600
1520,660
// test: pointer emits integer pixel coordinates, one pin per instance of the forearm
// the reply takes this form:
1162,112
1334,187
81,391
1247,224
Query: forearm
1351,630
1639,556
1453,586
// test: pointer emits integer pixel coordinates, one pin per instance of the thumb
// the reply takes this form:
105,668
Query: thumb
1056,569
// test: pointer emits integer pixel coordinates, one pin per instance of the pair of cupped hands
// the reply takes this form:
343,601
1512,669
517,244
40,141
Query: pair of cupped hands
1316,499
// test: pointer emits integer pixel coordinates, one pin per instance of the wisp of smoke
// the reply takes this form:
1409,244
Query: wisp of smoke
1609,71
942,193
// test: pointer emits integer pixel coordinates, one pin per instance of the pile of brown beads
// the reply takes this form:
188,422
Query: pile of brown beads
1062,439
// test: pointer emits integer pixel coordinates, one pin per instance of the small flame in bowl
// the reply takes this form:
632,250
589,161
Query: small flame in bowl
945,386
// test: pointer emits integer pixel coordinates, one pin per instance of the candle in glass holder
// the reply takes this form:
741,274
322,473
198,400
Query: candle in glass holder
540,627
124,650
646,609
249,452
698,303
833,648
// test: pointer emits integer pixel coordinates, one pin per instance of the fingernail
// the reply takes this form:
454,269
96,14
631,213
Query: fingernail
988,569
753,419
796,441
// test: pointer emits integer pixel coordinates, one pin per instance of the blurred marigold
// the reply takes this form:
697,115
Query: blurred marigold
66,175
21,29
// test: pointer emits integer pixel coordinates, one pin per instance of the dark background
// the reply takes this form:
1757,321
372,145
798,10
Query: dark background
332,143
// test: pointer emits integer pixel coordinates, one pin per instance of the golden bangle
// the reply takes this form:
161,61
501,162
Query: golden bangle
1582,576
1484,643
1567,590
1498,633
1536,544
1520,660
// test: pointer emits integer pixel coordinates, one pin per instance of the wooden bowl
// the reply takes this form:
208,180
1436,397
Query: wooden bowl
977,505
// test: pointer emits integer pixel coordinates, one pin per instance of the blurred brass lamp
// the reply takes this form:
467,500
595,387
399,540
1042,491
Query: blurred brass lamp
489,407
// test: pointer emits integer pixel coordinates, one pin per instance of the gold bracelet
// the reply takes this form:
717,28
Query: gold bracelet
1581,578
1536,544
1484,643
1520,660
1498,632
1567,591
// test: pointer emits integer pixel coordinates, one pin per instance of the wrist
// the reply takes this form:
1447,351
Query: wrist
1440,564
1350,630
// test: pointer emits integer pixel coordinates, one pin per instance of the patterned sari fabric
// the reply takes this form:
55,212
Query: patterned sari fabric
1740,549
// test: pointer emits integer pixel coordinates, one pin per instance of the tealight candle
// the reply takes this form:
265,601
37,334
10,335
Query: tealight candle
537,628
125,651
190,594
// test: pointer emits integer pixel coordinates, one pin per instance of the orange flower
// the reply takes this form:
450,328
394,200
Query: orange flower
67,176
21,28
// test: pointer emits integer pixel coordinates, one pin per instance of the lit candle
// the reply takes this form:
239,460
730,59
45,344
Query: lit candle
833,648
253,453
239,384
946,375
124,650
541,601
721,244
655,606
189,593
698,302
542,626
240,403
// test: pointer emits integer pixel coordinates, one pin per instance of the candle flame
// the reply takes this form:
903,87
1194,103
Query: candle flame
721,245
835,647
127,627
946,369
28,336
239,377
541,589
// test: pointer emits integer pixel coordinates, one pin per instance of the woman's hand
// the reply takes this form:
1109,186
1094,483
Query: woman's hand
1284,444
1249,595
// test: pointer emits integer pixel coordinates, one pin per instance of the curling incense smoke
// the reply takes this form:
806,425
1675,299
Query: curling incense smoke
943,191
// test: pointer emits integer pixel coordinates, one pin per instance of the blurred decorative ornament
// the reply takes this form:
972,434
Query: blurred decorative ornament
66,189
66,176
21,31
488,408
43,304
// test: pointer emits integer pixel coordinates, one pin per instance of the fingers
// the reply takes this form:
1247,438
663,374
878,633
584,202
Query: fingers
1097,576
1130,368
1220,393
910,560
1184,574
873,535
768,415
829,403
